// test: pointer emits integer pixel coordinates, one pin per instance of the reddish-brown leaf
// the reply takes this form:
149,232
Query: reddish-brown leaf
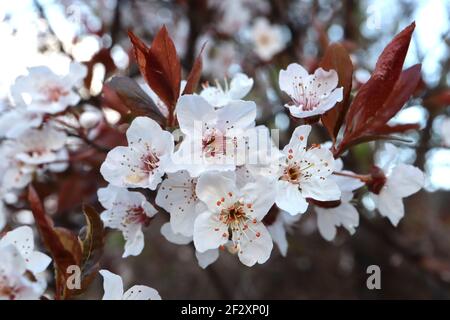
62,257
160,66
402,91
195,74
337,58
398,128
440,99
377,89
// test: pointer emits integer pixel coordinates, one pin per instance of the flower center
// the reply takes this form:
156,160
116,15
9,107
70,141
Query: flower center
213,143
149,162
54,93
292,173
303,98
264,40
137,215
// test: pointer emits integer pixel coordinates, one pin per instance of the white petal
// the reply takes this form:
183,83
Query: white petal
146,130
215,96
262,194
325,81
298,141
171,236
37,262
255,249
237,115
386,157
22,238
106,196
405,180
390,205
326,223
289,198
209,232
290,78
215,186
112,284
192,109
328,219
141,293
177,196
321,189
240,86
206,258
134,241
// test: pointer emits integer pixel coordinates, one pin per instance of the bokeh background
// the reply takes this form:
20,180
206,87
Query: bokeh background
414,257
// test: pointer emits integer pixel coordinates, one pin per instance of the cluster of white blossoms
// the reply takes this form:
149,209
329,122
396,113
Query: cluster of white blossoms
22,269
221,177
33,140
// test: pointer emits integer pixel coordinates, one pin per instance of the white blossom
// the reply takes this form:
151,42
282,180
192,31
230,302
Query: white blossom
113,287
402,180
44,91
234,213
304,173
128,212
268,40
311,94
214,139
143,162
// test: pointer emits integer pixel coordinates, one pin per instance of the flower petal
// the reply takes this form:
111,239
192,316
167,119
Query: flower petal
209,232
405,180
255,249
141,293
206,258
289,198
112,284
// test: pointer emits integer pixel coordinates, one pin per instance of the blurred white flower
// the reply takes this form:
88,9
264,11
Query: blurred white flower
445,131
234,15
311,94
44,91
128,212
113,287
217,96
34,150
400,181
268,40
143,162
